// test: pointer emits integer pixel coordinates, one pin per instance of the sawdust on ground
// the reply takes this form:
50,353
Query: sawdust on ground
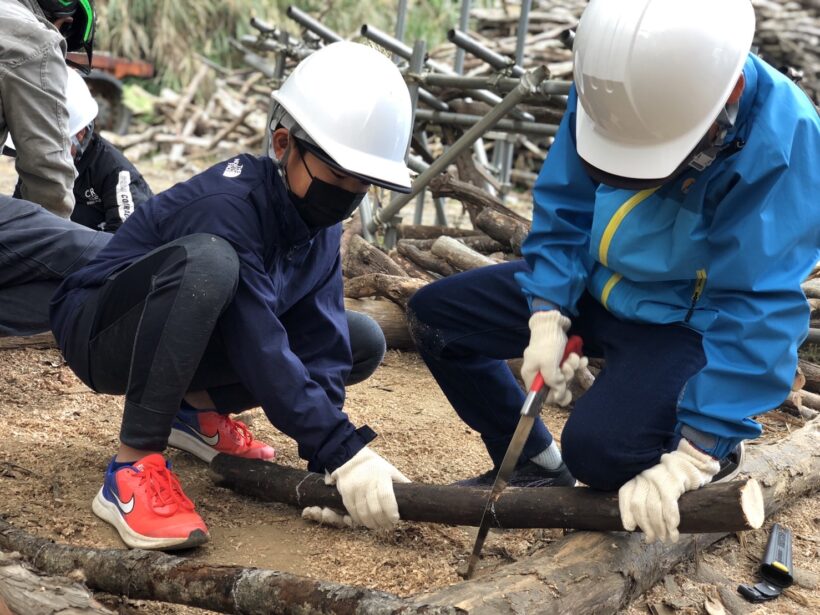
60,435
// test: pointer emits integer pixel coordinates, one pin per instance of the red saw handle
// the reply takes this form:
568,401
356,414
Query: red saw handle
574,344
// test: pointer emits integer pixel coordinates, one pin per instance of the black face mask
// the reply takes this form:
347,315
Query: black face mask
324,204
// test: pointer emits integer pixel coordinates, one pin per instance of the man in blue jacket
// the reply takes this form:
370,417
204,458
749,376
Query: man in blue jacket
225,292
674,220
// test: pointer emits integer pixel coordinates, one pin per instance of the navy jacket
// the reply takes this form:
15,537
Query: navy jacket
285,331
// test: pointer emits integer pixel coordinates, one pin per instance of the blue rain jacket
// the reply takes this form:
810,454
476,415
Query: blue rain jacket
722,251
285,332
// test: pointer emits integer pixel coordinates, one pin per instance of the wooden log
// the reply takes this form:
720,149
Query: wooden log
724,507
504,229
424,259
354,227
423,231
39,341
811,288
458,255
362,258
813,336
601,573
396,288
390,318
151,575
473,197
410,268
190,92
26,593
811,372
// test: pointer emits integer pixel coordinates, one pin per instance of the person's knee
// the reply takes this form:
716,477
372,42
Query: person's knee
591,455
367,345
212,263
420,310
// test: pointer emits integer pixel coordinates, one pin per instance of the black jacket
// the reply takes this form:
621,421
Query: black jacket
107,189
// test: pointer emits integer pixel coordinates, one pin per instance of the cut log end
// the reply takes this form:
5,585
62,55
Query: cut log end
752,504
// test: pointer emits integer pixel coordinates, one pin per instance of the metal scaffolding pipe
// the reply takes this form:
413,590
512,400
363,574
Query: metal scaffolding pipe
400,49
463,23
521,32
501,84
311,24
464,119
528,83
496,60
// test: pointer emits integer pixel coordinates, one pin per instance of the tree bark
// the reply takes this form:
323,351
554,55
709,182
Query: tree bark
410,268
225,589
724,507
390,318
40,340
26,593
474,198
422,231
810,371
363,258
353,229
395,288
424,259
601,573
504,229
458,255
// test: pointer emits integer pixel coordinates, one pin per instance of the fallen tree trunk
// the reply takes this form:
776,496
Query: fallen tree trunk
458,255
601,573
390,318
225,589
395,288
504,229
362,258
812,374
26,593
725,507
410,268
40,340
424,259
422,231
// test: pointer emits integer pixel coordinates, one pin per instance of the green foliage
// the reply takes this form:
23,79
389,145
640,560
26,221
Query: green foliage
169,33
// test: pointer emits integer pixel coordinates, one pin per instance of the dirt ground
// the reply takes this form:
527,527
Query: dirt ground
60,435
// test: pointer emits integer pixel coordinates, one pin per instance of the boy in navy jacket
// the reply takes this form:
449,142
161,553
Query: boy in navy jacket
227,289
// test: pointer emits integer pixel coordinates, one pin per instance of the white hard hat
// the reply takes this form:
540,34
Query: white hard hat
652,76
82,108
353,103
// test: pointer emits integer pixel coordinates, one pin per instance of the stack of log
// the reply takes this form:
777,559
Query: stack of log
232,119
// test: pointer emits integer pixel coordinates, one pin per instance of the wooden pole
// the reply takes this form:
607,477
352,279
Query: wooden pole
396,288
724,507
225,589
459,255
601,573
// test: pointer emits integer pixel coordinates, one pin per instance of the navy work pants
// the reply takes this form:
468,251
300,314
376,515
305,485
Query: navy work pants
467,325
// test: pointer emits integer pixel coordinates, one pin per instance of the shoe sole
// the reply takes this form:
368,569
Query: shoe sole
108,512
191,444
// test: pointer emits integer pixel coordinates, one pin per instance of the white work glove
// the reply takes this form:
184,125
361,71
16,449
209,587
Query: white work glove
365,482
327,516
650,500
548,340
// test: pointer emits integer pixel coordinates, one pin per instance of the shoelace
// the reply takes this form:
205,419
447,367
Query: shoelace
238,429
164,490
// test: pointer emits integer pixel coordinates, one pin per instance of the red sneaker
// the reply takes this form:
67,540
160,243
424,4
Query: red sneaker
226,436
145,504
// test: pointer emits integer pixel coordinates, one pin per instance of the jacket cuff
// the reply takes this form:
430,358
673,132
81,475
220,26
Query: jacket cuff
710,444
345,451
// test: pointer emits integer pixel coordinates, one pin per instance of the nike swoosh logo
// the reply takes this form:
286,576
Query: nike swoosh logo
209,440
125,507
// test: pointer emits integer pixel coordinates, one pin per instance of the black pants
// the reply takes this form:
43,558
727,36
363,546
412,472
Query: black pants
150,333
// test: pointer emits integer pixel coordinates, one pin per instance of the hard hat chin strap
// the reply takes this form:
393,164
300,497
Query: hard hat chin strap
712,147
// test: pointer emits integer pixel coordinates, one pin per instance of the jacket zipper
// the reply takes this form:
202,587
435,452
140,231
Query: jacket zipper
700,283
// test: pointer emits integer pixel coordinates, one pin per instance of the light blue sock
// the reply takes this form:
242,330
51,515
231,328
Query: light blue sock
549,458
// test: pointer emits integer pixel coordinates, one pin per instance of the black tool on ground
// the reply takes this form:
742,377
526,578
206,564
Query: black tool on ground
532,406
776,568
